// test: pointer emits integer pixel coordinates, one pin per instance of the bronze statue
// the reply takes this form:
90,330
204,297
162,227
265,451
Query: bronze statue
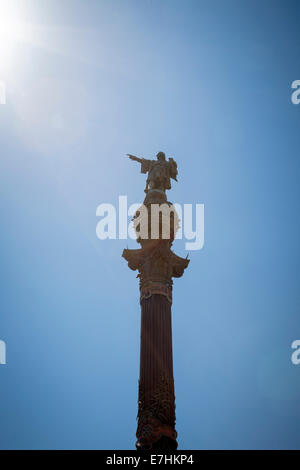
159,171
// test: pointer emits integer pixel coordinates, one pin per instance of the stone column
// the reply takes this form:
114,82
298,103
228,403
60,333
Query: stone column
157,264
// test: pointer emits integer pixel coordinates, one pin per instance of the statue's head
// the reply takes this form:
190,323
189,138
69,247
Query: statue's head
161,156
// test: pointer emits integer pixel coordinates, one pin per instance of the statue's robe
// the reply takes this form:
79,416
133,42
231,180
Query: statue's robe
147,165
155,170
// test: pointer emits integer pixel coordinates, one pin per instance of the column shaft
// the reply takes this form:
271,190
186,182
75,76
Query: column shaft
156,416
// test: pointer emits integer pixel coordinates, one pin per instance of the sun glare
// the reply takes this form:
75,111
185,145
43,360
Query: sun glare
12,31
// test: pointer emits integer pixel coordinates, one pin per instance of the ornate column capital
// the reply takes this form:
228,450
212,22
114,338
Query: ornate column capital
157,265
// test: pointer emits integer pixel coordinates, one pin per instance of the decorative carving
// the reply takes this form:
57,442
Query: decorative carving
157,264
156,415
150,287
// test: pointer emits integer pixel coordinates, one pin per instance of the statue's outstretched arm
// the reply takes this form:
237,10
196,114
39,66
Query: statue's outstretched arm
132,157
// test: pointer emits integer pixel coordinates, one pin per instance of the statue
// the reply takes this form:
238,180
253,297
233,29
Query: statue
159,171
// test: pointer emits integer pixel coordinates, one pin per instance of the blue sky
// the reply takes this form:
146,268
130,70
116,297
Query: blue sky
208,82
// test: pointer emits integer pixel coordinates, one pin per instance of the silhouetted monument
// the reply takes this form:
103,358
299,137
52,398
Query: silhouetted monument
156,223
